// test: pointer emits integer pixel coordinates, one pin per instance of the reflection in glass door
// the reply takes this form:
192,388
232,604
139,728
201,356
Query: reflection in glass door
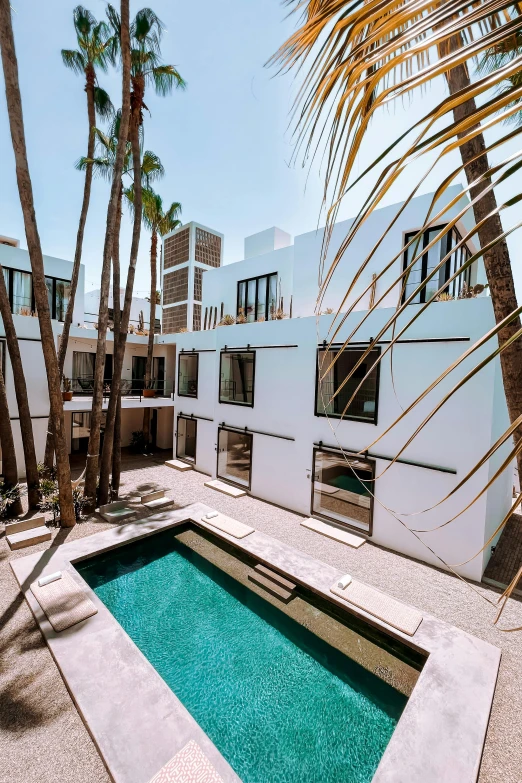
186,439
234,457
341,490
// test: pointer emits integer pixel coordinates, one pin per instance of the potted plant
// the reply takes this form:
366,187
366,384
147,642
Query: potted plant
149,390
67,393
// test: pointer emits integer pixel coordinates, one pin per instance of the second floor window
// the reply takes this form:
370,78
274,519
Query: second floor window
236,381
20,292
188,374
427,262
335,391
257,298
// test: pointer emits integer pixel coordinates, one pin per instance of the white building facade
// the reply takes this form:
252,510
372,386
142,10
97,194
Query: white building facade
249,408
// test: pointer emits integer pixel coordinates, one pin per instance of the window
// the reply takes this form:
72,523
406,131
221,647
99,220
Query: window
83,371
21,294
2,358
234,457
341,489
81,430
186,434
138,372
158,374
429,260
21,297
236,378
257,298
188,375
364,405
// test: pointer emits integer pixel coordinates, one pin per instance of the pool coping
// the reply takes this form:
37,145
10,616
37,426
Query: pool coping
138,724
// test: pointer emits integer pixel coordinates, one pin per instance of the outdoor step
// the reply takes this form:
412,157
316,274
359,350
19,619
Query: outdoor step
275,577
177,464
158,503
24,524
35,535
226,489
271,587
332,531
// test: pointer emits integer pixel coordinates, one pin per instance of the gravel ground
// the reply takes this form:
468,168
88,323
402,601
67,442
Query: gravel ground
42,737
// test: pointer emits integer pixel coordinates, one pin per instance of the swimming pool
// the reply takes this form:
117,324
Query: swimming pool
280,703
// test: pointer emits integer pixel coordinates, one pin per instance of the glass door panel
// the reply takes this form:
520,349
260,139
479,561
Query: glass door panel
186,439
234,457
342,489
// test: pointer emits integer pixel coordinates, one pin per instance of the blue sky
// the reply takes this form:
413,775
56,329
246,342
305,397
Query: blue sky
225,142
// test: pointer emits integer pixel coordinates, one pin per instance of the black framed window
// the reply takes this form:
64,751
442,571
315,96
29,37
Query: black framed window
236,377
257,298
186,439
19,286
188,374
427,262
2,357
333,392
341,489
234,462
83,371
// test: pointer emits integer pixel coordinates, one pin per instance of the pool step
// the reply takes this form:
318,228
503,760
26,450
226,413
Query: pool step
272,582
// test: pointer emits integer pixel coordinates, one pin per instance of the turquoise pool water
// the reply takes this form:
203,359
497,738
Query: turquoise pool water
280,704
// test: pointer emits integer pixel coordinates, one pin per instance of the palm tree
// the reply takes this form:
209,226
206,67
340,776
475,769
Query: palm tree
158,222
363,57
16,124
9,466
24,413
103,166
95,50
146,34
91,473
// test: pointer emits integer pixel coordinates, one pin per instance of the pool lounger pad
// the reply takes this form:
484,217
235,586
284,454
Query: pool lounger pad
382,606
189,765
228,525
64,602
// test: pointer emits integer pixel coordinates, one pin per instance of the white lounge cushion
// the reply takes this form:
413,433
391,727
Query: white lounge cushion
64,602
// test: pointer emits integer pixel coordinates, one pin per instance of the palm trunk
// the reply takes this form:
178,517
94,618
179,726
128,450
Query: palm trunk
9,466
116,449
16,123
122,339
91,115
152,319
91,474
496,260
26,425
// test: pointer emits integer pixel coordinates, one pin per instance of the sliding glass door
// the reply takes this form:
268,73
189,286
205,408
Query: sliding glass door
234,457
341,489
186,439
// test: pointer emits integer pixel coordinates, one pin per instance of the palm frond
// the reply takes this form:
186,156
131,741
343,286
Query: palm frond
151,167
74,60
165,78
147,29
103,103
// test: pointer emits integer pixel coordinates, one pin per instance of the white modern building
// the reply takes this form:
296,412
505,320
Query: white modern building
243,402
249,408
79,362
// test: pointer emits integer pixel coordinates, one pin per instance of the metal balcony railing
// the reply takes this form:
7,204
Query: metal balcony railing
84,385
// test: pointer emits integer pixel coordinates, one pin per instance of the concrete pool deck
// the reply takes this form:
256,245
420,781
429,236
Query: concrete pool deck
138,724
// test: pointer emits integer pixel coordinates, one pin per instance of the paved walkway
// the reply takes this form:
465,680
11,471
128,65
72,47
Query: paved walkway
42,738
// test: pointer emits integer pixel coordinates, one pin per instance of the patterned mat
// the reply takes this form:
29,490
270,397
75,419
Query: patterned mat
64,602
387,609
189,765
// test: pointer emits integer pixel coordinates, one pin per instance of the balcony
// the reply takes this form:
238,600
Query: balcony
132,394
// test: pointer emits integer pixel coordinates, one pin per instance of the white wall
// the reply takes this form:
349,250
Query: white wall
220,285
456,438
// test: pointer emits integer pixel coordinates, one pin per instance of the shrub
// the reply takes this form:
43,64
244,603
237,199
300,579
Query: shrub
227,320
137,441
279,314
8,496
